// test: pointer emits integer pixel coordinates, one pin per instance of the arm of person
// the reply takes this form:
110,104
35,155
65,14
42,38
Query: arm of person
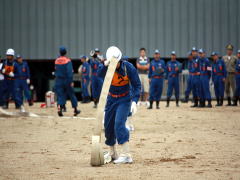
135,82
102,70
69,72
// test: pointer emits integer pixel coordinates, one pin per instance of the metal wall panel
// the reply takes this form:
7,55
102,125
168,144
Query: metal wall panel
36,28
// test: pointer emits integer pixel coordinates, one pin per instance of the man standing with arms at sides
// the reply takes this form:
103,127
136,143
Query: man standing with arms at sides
173,69
219,75
195,72
143,64
64,82
205,75
230,61
156,77
189,79
237,78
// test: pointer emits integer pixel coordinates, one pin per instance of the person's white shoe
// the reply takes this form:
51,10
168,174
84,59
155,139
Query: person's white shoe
123,159
22,109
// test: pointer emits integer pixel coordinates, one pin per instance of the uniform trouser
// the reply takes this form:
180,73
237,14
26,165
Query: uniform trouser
96,86
195,86
237,91
230,83
8,90
116,113
189,85
21,87
85,83
204,88
173,83
219,86
156,87
1,93
63,90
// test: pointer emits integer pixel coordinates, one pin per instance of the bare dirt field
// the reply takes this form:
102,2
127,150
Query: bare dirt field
170,143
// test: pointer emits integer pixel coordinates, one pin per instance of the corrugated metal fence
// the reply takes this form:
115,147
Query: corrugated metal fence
36,28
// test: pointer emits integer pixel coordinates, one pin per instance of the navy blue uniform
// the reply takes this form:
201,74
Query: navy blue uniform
85,79
1,85
218,74
64,79
205,75
195,72
156,75
237,77
22,73
189,80
8,83
119,99
96,81
172,75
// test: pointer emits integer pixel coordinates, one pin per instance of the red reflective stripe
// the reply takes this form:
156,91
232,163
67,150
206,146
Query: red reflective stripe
62,60
157,77
195,74
118,95
220,74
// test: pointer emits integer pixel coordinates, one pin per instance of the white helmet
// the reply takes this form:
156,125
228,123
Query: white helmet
10,52
113,51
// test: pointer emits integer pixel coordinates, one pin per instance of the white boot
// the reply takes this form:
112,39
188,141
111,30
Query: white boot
22,109
111,155
125,156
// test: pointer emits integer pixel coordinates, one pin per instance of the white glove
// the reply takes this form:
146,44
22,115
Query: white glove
11,74
107,62
133,108
28,81
3,71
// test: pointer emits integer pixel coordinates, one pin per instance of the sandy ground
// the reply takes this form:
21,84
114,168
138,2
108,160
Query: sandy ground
170,143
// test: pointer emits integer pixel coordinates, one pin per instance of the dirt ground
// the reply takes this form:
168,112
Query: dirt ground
170,143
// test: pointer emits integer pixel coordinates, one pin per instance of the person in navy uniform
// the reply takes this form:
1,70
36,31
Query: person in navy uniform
8,68
189,78
195,72
122,99
237,79
205,75
22,81
219,74
97,82
1,83
85,74
156,78
64,82
173,68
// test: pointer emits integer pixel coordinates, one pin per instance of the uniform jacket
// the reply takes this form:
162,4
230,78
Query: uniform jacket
157,68
238,66
9,67
205,67
195,65
219,69
125,80
94,63
22,70
85,70
230,62
173,69
63,68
